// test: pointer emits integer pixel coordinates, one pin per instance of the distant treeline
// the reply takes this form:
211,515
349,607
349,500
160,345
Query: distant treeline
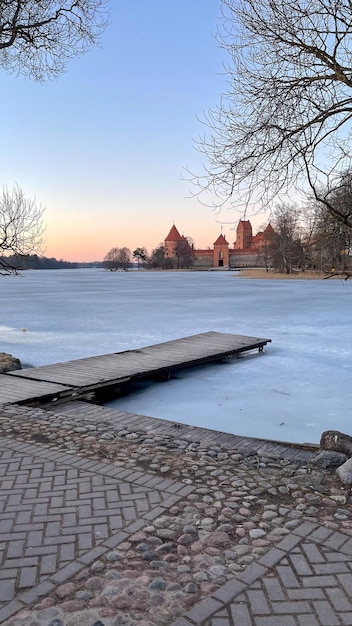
35,262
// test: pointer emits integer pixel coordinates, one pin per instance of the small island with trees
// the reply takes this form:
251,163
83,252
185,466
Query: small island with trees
296,239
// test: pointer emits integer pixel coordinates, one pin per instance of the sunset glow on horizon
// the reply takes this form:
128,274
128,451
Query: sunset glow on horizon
106,147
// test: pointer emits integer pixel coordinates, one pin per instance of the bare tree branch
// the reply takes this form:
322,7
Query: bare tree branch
285,121
21,229
38,37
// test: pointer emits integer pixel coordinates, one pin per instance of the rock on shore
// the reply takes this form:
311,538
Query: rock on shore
9,363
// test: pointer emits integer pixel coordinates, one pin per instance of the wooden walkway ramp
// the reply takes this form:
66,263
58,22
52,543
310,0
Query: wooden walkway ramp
204,436
94,373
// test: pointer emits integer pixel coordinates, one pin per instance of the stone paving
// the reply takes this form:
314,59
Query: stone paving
62,514
59,515
305,580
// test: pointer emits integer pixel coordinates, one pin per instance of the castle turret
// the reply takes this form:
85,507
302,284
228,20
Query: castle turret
221,252
244,235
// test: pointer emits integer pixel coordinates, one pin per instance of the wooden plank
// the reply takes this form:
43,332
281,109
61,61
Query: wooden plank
16,390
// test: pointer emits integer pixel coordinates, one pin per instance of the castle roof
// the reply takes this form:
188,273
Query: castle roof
245,224
269,229
221,241
174,235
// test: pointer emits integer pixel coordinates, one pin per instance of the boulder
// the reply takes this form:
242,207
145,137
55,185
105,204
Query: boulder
9,363
344,472
337,442
327,458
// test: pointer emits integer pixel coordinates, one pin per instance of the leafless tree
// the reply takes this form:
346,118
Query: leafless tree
124,258
117,258
285,120
38,37
111,260
286,248
330,241
21,229
183,253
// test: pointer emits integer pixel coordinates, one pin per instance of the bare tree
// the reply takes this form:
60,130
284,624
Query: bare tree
111,261
117,258
286,248
38,37
286,118
330,240
124,258
21,229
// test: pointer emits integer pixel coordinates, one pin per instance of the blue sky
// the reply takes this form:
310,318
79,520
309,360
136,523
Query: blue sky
104,147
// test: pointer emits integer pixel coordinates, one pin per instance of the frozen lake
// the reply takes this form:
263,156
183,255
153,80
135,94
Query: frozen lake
298,388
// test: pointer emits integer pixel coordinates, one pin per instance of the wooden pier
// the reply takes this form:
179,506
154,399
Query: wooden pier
76,378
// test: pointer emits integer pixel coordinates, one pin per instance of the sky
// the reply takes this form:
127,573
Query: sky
106,147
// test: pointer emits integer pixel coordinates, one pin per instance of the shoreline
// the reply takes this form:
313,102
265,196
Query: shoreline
272,275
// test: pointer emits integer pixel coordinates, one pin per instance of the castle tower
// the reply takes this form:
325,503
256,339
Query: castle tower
172,241
244,235
221,252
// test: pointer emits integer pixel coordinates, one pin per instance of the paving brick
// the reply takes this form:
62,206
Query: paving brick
240,615
347,547
254,571
305,529
7,590
290,592
28,577
345,580
319,581
300,565
228,592
204,610
307,620
336,541
326,615
258,603
330,568
282,620
16,549
291,607
9,609
272,557
320,534
339,599
313,553
306,594
333,557
287,576
48,564
288,543
274,589
61,509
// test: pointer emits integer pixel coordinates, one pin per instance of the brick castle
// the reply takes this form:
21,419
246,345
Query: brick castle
248,250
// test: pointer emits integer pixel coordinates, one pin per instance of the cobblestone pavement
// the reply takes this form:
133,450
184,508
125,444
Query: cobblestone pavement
128,528
305,580
59,515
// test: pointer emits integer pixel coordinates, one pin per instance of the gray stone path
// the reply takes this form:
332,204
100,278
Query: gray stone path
58,513
305,580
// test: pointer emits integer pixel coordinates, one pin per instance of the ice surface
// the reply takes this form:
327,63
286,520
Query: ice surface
298,388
